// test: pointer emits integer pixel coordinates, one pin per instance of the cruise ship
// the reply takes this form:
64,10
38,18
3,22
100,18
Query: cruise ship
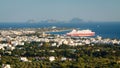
82,33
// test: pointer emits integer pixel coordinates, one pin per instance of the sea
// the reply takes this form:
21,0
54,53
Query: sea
104,29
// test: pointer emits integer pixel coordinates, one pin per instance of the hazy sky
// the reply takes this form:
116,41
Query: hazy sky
90,10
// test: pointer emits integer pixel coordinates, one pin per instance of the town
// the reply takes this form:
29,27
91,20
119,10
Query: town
26,46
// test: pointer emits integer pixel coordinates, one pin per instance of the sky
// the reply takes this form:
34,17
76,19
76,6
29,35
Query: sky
62,10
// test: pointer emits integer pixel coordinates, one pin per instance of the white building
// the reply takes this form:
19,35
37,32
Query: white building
63,58
6,66
1,47
52,58
24,59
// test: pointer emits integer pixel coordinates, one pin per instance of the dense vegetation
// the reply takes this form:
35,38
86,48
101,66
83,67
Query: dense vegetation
97,56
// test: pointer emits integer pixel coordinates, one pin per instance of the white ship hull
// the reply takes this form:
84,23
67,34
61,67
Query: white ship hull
81,33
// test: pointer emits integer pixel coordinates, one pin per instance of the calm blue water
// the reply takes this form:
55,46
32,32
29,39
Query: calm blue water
106,30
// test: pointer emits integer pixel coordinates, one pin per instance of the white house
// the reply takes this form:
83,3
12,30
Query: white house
24,59
63,58
1,47
52,58
6,66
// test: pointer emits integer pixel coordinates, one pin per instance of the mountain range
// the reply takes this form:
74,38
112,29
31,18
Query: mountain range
74,20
